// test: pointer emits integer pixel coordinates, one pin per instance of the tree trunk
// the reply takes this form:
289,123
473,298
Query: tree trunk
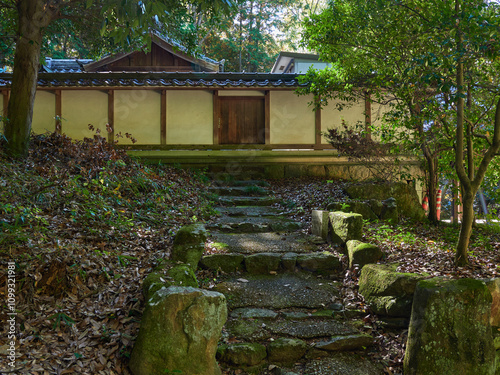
32,18
432,184
461,258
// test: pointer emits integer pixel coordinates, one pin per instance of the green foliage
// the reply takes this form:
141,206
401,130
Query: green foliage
96,189
61,317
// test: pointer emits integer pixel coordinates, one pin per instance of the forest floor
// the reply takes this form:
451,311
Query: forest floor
83,224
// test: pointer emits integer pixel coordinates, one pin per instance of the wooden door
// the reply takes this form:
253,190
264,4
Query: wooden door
242,120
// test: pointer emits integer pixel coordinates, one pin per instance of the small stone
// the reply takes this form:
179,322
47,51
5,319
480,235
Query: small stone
288,261
350,342
262,263
252,313
297,315
285,350
323,263
243,354
225,262
361,253
320,223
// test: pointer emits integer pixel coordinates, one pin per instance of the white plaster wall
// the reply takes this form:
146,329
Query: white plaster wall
189,117
138,112
44,112
79,108
331,117
292,119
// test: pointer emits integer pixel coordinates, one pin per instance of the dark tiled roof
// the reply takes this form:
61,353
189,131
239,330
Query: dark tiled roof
154,79
64,65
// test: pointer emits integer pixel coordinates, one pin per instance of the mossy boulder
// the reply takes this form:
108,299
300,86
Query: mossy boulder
179,331
387,291
494,288
406,196
356,207
345,227
362,253
286,350
390,211
320,220
224,262
189,244
242,354
450,330
154,282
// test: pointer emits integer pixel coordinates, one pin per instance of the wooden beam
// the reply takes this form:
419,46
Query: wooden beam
185,147
58,128
267,117
163,119
368,115
317,128
216,117
111,116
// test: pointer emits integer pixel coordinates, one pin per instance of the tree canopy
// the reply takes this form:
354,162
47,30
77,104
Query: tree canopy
435,63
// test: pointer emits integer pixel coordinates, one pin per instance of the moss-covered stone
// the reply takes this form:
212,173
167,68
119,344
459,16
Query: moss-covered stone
450,332
288,262
242,354
390,211
494,288
362,253
224,262
346,226
346,342
320,221
285,350
154,282
405,195
388,292
262,263
189,244
183,275
356,207
321,263
179,331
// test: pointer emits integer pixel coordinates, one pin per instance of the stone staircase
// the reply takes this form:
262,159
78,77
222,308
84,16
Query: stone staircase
286,313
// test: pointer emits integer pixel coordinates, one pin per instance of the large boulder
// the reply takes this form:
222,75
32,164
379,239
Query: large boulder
356,207
179,331
189,244
180,275
494,288
388,292
362,253
390,211
406,196
450,330
345,227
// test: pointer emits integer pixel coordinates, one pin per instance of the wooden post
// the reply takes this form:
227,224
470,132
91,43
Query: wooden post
111,116
163,119
216,117
317,128
267,117
368,115
58,128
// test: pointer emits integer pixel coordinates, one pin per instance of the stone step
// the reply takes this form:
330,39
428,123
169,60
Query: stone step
320,263
272,242
252,211
250,190
247,201
254,225
279,291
